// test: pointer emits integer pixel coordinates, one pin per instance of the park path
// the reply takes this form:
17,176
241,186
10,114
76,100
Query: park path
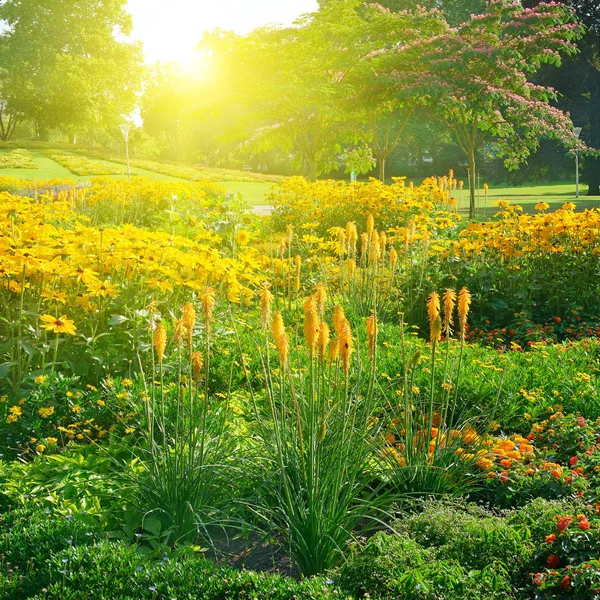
262,210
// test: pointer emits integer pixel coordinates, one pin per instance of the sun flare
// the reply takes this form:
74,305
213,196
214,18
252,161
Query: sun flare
172,35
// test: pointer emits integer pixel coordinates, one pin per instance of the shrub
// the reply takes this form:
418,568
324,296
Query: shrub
115,571
472,536
392,566
17,159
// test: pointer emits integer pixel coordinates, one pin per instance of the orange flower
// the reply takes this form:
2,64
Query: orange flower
281,338
372,333
464,304
160,341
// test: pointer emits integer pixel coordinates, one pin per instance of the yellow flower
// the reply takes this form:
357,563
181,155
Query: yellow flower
242,237
41,379
542,206
40,448
103,289
58,325
46,412
51,440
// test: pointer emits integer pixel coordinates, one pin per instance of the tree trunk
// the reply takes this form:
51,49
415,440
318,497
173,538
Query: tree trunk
381,161
472,178
312,169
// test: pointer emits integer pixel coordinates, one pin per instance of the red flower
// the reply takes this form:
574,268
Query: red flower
553,561
539,578
566,582
584,525
568,480
573,460
563,523
550,539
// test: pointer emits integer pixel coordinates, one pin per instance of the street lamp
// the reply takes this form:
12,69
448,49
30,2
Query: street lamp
125,129
577,133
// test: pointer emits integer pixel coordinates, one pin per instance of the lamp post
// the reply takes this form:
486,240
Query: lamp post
577,133
125,129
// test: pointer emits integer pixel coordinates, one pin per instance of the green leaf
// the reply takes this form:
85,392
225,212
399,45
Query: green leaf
117,320
152,525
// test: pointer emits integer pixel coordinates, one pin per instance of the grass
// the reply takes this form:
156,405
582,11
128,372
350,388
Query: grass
555,194
253,193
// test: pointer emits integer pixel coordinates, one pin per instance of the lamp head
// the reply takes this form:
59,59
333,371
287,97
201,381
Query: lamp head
125,129
577,132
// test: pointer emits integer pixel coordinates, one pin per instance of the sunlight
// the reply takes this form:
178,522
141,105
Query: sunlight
171,35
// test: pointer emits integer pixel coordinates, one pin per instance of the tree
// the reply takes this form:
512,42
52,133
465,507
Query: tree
289,78
455,11
380,111
578,85
476,79
68,64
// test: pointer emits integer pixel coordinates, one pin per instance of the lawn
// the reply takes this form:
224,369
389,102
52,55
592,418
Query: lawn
555,194
253,193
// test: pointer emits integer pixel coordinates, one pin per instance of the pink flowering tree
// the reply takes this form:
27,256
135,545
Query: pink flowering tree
476,79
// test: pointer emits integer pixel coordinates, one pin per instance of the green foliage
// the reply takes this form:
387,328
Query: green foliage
389,567
17,159
64,65
52,555
79,165
472,536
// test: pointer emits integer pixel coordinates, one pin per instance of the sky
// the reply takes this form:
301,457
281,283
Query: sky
170,29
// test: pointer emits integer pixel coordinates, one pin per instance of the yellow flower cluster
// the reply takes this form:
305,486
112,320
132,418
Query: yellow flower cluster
60,260
514,235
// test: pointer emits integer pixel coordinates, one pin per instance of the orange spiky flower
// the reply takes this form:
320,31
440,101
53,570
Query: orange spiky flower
323,340
346,346
197,364
188,319
433,306
464,304
372,333
370,225
339,318
382,241
160,341
351,264
281,338
311,324
433,312
393,258
266,300
180,332
333,350
435,330
449,302
321,298
207,298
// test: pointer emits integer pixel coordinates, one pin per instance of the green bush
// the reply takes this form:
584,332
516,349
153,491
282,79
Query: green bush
473,537
117,571
394,566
